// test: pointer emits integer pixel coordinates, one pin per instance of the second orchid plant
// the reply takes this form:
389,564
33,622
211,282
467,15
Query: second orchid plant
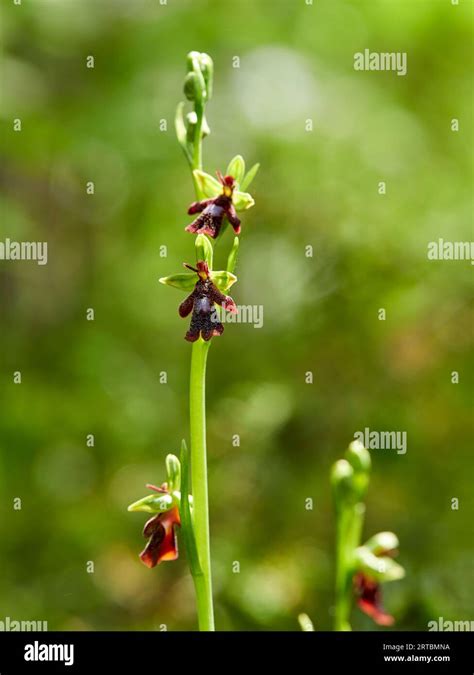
182,500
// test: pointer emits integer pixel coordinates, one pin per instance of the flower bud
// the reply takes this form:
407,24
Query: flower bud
359,459
192,87
191,59
207,68
173,469
341,478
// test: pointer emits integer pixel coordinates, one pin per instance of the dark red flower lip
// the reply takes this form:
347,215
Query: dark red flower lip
369,599
212,211
201,302
163,541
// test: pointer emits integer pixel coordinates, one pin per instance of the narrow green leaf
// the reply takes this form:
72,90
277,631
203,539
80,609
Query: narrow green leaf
185,281
249,176
236,168
207,184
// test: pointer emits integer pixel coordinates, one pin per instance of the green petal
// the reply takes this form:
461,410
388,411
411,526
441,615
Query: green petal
249,176
204,250
207,184
185,281
242,200
236,168
153,504
223,280
232,259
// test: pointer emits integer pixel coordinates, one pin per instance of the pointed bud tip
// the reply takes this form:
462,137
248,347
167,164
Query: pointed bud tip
359,457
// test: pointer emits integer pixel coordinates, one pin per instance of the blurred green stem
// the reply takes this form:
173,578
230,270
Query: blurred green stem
197,403
350,520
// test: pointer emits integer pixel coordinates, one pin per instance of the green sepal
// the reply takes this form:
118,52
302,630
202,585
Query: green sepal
223,280
249,176
154,503
185,281
173,470
208,185
232,259
180,127
242,200
236,168
379,568
204,250
382,542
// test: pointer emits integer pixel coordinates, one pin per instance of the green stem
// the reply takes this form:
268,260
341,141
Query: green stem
197,152
343,598
350,521
197,403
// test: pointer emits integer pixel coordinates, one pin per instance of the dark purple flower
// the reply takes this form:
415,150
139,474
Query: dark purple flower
369,599
205,321
212,211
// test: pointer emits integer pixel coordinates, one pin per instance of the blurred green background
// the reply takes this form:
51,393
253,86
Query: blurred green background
317,188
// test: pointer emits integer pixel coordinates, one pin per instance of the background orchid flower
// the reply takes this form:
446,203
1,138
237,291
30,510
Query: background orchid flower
360,570
164,503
